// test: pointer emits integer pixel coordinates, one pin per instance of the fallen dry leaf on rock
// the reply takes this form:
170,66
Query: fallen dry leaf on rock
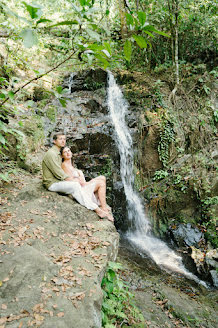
3,320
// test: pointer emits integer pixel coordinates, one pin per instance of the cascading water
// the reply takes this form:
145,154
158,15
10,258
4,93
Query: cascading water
140,232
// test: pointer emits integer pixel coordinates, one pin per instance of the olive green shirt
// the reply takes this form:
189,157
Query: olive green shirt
51,167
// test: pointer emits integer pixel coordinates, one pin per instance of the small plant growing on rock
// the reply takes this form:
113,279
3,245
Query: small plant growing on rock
118,307
160,174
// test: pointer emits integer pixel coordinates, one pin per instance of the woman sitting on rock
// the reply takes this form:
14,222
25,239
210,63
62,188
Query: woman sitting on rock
91,194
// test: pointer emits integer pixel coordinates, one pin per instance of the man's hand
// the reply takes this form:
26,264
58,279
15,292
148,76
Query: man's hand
80,180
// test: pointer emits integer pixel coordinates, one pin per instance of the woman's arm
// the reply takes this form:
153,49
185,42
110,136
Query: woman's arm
82,177
69,171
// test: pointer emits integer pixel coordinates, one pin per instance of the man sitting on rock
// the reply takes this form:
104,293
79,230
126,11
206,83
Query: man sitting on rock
56,179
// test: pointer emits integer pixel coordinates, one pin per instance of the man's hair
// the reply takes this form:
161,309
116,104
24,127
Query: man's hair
55,136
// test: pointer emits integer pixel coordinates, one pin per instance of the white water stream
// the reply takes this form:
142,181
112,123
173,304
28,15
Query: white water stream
140,235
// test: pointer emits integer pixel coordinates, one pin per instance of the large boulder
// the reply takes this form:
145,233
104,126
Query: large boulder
54,255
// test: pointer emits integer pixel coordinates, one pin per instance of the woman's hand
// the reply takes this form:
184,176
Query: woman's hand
81,178
82,181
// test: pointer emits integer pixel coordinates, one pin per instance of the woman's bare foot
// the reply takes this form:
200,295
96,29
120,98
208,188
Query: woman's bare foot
110,217
106,209
103,214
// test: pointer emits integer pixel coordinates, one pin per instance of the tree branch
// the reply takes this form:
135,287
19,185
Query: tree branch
39,77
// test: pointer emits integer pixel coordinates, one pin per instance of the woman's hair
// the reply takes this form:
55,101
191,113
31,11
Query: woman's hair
62,149
61,152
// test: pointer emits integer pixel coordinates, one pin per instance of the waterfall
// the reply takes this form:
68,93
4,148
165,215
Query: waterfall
139,233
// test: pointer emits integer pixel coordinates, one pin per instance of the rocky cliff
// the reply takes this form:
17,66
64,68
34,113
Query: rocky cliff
53,257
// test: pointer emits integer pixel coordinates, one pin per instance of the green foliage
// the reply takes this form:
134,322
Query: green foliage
215,115
8,170
51,113
210,201
118,306
160,174
5,132
209,220
140,31
179,181
127,50
167,136
107,168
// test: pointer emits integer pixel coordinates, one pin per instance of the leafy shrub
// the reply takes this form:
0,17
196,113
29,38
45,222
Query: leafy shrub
118,306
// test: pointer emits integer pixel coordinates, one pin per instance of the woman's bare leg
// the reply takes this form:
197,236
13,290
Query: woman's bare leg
100,188
100,191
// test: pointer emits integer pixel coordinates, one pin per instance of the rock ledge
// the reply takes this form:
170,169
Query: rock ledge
54,254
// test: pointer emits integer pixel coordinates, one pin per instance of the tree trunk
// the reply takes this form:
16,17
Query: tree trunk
123,27
172,31
137,5
176,41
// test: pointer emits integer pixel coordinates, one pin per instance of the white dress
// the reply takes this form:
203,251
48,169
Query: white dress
85,194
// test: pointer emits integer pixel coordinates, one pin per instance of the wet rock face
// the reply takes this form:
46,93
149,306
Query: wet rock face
87,80
186,235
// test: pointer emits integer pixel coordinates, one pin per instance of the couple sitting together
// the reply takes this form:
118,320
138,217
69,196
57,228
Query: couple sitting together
60,175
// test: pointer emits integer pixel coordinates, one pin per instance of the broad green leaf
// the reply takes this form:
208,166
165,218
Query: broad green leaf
63,102
2,139
111,275
127,50
102,60
59,89
11,95
149,33
95,47
43,20
67,22
29,37
142,17
34,10
93,34
109,287
129,19
106,53
2,95
153,29
107,46
107,12
140,41
82,2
